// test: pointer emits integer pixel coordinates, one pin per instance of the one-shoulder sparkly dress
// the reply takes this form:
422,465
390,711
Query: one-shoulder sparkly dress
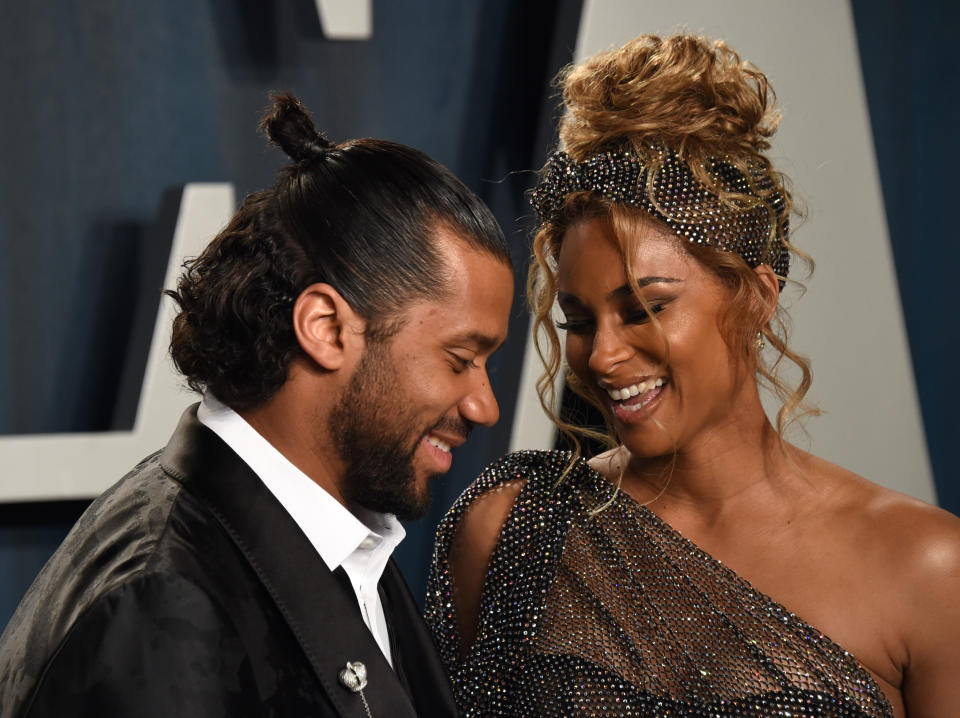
617,614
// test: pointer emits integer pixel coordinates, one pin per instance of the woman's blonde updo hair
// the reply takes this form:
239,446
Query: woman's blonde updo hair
692,95
698,99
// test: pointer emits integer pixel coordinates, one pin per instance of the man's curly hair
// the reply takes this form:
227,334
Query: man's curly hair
361,216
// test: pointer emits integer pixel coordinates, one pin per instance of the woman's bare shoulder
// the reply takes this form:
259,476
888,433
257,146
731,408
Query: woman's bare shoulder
896,525
918,541
903,526
906,552
911,541
609,464
915,547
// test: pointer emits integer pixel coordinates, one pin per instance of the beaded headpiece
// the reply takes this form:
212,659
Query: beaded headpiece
674,196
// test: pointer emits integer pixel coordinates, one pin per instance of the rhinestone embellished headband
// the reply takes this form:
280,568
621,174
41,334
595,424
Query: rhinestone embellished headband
674,196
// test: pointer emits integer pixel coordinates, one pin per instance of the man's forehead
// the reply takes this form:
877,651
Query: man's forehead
458,321
471,306
476,317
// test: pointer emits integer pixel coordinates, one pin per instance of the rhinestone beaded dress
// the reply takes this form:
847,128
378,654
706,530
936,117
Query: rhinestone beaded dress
618,614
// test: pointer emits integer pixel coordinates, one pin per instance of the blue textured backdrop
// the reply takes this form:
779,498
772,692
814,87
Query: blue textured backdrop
912,75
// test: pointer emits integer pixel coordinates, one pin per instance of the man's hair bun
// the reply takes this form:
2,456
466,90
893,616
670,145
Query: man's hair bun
289,126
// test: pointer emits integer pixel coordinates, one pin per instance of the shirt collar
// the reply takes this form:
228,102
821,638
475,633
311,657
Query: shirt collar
330,527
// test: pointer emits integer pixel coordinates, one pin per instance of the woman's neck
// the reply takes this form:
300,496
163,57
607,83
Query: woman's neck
743,458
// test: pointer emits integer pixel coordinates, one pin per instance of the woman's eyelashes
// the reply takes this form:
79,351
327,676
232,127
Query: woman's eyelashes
639,315
574,324
633,315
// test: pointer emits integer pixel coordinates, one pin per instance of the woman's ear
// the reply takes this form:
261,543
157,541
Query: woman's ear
327,328
770,287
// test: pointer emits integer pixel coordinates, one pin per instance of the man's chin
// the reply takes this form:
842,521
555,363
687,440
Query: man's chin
417,505
410,505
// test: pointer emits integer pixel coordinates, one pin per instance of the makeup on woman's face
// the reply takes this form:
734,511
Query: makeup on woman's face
661,386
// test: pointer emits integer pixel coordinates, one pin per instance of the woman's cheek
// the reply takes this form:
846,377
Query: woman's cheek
577,352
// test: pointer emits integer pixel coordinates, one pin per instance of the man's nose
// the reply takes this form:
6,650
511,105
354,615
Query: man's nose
480,405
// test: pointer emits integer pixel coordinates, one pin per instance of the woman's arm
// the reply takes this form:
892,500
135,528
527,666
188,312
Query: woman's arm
470,551
931,685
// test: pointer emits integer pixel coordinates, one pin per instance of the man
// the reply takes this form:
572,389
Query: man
339,328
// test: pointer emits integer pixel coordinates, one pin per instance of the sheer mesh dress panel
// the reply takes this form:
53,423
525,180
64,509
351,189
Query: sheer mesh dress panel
618,614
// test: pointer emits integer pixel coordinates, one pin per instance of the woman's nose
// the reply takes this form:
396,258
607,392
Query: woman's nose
608,350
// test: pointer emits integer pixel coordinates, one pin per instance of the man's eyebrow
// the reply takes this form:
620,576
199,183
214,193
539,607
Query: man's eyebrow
482,341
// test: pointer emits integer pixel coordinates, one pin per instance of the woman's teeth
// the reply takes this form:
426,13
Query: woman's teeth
442,445
633,390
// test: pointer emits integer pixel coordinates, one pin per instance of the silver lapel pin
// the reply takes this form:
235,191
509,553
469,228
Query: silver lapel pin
354,678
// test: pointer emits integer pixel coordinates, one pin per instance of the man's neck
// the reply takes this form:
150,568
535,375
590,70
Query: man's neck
298,430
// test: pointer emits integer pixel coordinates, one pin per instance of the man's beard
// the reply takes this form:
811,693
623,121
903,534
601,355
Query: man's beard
373,427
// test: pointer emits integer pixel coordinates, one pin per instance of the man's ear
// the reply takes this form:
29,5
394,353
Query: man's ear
770,287
327,328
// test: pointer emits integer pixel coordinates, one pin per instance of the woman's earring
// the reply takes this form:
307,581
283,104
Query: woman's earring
761,342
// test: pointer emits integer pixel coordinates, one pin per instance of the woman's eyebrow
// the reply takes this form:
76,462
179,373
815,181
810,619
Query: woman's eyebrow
619,292
626,289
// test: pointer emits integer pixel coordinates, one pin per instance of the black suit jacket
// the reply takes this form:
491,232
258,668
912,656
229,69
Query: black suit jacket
187,590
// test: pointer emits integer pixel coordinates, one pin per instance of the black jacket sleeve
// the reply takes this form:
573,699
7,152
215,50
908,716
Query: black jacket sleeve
157,645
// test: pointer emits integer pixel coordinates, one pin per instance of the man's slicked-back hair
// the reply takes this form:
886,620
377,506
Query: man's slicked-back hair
361,216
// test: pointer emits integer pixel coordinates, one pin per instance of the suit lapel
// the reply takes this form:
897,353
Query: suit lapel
417,660
321,611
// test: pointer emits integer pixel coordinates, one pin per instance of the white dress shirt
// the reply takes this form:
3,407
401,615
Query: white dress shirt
362,545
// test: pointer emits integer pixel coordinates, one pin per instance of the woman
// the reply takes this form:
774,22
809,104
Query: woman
702,566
